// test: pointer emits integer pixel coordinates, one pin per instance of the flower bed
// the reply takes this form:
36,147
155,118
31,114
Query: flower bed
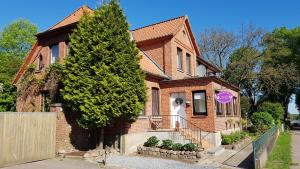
168,149
235,140
163,153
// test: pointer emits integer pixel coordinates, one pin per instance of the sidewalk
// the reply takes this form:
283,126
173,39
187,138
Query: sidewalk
295,149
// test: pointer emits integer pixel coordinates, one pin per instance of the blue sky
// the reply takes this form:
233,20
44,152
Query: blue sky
227,14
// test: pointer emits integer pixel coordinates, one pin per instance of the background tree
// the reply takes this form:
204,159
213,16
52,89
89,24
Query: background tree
103,80
244,64
17,38
15,41
280,69
276,110
242,72
216,46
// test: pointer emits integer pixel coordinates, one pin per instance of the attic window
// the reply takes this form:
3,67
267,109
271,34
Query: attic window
184,33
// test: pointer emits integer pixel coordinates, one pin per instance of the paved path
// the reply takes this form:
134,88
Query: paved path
295,149
138,162
116,162
56,164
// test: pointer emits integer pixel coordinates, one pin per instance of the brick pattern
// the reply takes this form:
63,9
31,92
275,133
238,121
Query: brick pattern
69,135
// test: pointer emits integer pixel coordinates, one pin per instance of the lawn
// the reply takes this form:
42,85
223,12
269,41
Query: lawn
280,157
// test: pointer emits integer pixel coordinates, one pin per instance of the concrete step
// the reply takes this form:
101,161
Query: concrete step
216,151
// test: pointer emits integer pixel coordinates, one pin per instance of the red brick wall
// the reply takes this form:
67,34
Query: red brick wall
207,123
69,135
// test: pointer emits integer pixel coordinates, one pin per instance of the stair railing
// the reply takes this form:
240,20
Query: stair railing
177,123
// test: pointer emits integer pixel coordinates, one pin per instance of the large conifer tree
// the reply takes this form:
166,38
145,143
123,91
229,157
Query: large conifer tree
102,76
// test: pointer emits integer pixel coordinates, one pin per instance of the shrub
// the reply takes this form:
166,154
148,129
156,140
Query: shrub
177,147
190,147
233,137
167,144
276,110
262,121
152,142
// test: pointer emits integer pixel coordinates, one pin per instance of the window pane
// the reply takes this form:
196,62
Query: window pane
179,58
54,53
188,63
199,100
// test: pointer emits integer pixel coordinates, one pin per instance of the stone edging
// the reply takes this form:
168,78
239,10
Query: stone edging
163,153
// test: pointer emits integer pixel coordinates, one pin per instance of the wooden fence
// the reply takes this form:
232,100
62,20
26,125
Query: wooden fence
26,137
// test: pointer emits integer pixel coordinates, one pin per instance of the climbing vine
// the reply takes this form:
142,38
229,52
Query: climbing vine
33,83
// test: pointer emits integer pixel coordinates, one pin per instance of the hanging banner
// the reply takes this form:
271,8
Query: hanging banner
224,97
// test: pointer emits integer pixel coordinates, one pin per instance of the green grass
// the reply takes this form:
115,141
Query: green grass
280,157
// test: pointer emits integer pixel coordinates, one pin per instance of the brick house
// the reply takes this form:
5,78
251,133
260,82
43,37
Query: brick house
181,92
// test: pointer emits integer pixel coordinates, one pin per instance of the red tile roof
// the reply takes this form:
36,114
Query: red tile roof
158,30
72,18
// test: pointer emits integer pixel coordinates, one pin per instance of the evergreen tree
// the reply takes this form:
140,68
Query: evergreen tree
102,78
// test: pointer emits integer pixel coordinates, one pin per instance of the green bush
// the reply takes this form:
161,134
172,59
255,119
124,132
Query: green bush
177,147
152,142
232,138
276,110
167,144
190,147
262,121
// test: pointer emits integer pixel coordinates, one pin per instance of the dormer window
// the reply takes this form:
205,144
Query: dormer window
54,50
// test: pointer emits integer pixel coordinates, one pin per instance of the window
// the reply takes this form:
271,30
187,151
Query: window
40,64
46,101
234,106
184,34
229,108
199,103
155,101
179,59
188,63
218,106
54,53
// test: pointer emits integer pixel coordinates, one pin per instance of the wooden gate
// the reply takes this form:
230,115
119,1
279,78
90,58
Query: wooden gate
26,137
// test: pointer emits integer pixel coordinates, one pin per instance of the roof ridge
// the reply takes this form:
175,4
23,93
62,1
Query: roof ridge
83,6
159,22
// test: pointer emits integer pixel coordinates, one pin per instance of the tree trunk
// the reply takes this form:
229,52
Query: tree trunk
97,137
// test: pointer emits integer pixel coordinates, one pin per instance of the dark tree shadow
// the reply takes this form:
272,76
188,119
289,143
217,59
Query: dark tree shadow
248,163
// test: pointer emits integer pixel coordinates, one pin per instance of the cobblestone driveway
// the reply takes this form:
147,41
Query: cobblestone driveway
116,162
138,162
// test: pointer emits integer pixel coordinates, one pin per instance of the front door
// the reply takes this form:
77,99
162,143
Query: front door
155,102
178,103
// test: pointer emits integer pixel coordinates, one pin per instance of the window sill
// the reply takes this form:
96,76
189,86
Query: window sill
179,70
221,116
199,116
142,117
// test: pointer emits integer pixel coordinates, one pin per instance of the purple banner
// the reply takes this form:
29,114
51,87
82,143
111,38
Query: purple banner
224,97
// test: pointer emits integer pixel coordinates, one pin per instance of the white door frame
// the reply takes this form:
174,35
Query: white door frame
177,109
